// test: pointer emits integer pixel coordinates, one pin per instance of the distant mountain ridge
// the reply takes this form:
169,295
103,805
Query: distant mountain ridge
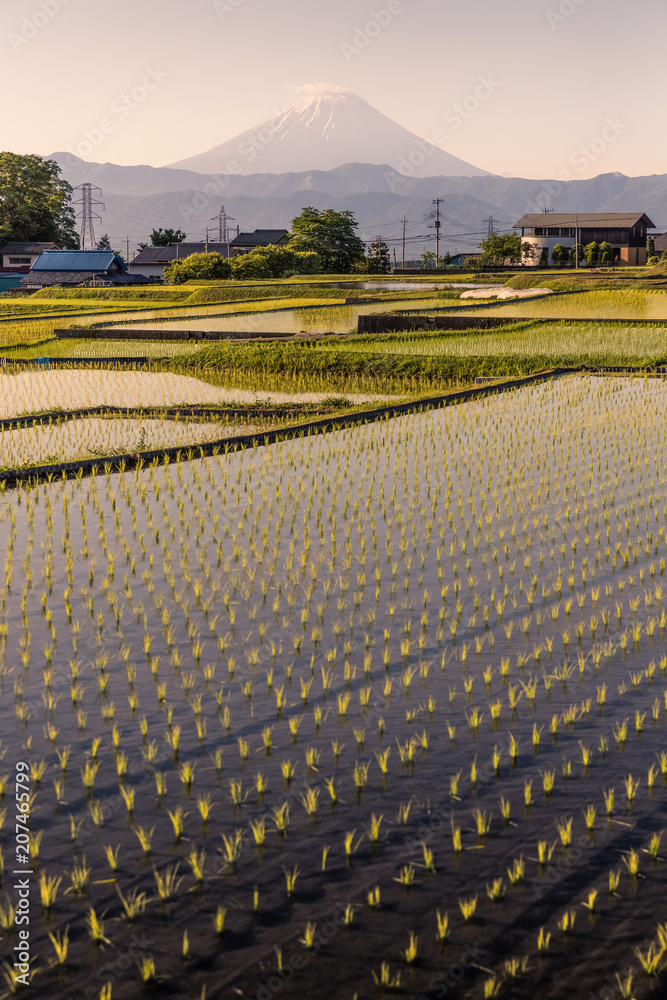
140,198
326,131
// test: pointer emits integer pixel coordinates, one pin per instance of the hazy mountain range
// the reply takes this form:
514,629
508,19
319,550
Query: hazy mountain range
371,181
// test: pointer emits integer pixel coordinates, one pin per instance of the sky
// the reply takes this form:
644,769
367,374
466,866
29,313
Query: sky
573,87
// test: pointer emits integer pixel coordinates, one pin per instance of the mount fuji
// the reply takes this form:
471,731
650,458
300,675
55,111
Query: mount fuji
324,132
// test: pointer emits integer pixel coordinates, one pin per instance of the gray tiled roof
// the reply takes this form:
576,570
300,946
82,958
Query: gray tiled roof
27,248
176,251
592,220
260,238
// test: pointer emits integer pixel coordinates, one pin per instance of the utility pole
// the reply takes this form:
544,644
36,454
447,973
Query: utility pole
394,258
403,258
436,226
87,215
127,249
576,242
207,239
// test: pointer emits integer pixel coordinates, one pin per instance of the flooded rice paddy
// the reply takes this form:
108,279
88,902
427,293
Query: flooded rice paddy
97,437
314,319
381,709
70,389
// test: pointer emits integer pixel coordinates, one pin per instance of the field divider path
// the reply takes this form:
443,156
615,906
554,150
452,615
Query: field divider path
58,416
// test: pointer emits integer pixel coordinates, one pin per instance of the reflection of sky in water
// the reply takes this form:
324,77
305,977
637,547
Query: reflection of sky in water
328,319
42,391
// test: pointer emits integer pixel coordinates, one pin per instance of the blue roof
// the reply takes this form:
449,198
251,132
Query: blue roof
76,260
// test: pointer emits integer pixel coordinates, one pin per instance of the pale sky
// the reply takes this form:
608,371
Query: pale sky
576,84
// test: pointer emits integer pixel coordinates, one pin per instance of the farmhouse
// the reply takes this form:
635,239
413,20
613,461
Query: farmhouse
74,268
626,232
153,260
247,242
18,258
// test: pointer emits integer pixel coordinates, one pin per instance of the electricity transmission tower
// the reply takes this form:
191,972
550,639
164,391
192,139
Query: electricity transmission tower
490,225
87,215
222,218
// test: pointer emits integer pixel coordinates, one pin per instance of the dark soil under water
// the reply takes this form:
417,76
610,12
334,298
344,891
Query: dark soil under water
379,588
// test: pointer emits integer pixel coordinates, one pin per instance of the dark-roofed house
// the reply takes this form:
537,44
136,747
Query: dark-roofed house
18,257
660,243
74,268
247,242
625,231
153,260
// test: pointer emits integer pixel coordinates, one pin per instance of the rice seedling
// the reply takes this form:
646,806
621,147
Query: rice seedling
232,848
650,959
147,969
290,879
197,863
133,904
410,953
631,786
543,940
219,920
589,902
145,837
373,897
468,908
79,877
60,942
566,922
95,927
482,822
495,890
564,827
167,884
48,890
631,862
625,984
406,876
387,979
518,870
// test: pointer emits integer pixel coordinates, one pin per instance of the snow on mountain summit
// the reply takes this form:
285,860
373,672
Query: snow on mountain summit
326,130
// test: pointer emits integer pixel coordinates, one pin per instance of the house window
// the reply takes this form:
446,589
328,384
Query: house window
19,260
539,231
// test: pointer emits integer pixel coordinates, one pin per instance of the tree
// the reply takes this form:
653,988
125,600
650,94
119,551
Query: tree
544,258
331,235
445,260
528,251
428,259
650,247
197,267
379,260
592,252
35,202
104,244
560,255
273,262
578,253
606,253
163,237
497,249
